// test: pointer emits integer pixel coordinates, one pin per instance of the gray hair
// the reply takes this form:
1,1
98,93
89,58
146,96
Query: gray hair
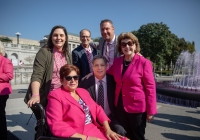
84,30
99,57
2,50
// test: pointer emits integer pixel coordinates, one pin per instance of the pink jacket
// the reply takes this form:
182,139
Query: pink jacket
65,115
6,74
137,85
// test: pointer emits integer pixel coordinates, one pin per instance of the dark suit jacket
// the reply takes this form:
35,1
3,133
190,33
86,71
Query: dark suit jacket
89,85
79,59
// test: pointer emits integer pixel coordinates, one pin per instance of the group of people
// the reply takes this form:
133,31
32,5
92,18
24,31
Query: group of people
113,102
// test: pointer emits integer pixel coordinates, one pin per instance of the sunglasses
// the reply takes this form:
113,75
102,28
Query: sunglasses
130,43
69,78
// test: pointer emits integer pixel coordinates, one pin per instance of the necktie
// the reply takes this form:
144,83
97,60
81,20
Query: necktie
101,94
89,57
107,52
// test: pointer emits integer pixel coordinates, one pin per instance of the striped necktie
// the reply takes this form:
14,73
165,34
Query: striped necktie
107,54
89,57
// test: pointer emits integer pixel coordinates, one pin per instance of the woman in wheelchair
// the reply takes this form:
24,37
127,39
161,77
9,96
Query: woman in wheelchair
71,112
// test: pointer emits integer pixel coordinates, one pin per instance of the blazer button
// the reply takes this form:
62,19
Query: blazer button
123,95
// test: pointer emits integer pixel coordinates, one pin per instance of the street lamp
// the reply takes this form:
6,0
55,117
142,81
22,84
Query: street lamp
44,38
18,34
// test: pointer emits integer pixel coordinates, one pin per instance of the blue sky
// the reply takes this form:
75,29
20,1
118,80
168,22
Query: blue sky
35,18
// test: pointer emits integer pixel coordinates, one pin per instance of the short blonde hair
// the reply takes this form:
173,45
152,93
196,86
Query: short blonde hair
2,50
127,35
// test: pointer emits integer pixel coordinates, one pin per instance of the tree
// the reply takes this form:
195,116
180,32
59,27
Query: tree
191,47
160,45
96,39
155,41
5,39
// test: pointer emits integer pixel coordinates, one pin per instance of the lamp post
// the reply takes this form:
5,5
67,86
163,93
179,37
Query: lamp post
44,38
18,34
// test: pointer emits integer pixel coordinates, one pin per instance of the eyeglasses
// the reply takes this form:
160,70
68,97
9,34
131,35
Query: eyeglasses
69,78
130,43
85,36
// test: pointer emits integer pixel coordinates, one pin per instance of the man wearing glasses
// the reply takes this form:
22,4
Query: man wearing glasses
82,56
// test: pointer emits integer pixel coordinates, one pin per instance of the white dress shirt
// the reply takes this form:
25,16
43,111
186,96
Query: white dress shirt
106,105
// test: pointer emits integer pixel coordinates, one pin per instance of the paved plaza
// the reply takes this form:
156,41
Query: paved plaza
171,123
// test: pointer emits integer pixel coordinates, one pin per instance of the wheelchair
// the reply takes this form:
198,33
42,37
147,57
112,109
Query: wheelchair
42,129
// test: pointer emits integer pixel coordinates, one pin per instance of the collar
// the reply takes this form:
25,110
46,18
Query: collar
112,41
56,50
87,49
97,80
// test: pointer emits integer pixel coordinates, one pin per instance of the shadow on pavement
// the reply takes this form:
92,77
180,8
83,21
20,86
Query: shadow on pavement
179,137
178,122
197,112
17,124
11,136
22,91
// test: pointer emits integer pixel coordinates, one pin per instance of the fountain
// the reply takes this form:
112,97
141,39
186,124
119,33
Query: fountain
184,89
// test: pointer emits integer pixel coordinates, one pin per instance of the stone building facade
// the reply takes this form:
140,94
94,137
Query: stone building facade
26,51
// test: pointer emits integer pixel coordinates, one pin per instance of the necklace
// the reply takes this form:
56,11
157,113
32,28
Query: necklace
126,64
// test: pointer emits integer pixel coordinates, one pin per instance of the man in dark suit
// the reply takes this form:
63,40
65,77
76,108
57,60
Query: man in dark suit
83,54
93,84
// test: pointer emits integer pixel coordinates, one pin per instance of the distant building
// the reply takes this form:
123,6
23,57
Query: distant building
23,41
27,48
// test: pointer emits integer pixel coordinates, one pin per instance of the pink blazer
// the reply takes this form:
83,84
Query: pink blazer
6,74
137,85
65,115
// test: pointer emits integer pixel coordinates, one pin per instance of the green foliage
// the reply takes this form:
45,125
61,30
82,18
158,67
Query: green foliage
160,45
165,72
96,39
5,39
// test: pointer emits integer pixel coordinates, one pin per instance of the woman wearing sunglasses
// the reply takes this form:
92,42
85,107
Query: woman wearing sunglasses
71,112
135,94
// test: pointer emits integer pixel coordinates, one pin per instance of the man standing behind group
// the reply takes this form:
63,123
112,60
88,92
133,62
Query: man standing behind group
101,87
82,56
108,42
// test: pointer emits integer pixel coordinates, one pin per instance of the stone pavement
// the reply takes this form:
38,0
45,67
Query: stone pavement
171,122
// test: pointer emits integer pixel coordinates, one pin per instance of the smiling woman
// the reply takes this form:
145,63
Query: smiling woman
47,64
135,94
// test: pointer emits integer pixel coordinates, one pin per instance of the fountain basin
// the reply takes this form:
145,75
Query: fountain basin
182,97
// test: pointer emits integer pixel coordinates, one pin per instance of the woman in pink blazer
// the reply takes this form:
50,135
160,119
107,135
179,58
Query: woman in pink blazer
135,94
6,74
71,112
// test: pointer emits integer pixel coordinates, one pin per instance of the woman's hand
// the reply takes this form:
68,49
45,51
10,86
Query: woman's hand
34,99
111,135
149,118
